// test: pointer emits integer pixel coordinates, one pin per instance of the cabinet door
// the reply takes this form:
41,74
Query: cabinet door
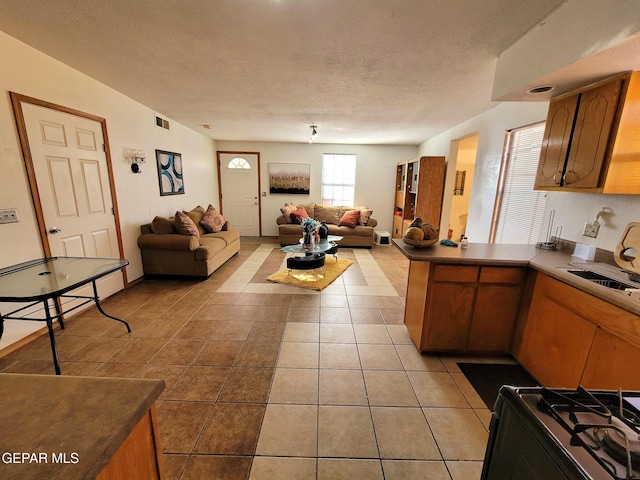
612,363
494,316
450,306
555,143
592,133
430,189
397,226
556,341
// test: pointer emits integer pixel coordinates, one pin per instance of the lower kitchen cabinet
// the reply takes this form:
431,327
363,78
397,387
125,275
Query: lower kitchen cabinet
140,456
572,338
463,308
612,363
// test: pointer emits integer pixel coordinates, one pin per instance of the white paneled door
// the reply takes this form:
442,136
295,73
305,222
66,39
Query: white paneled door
72,176
240,191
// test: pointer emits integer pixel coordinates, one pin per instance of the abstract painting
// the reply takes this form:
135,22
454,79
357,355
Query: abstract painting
289,178
170,173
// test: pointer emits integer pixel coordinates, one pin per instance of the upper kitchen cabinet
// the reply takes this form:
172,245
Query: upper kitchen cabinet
592,139
419,188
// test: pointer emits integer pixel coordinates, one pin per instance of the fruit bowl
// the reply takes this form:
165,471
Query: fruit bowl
420,243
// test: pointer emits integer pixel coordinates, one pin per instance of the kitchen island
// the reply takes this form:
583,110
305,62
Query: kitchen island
519,300
68,428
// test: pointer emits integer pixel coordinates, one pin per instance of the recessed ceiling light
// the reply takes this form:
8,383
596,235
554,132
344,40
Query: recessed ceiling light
541,89
206,126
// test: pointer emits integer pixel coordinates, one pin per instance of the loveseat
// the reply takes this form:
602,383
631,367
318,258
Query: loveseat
193,243
355,228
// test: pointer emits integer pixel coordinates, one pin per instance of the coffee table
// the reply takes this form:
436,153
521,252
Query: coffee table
311,259
48,282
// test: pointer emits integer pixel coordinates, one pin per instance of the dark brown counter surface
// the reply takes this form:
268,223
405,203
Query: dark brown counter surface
547,261
74,419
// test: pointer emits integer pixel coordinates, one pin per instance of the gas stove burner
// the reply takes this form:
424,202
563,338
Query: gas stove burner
621,443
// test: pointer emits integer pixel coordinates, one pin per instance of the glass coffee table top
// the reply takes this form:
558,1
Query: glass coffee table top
321,246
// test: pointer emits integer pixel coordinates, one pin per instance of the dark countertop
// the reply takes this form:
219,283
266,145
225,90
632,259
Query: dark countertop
547,261
86,419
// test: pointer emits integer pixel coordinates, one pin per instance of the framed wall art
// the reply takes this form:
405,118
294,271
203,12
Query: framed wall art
170,176
289,178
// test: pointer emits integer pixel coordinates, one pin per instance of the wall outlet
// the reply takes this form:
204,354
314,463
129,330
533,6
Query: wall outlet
591,229
9,215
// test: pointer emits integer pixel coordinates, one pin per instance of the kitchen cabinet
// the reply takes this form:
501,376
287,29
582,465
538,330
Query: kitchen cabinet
572,338
612,363
140,456
589,141
466,308
419,189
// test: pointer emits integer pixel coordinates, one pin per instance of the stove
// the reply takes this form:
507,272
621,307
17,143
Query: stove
541,433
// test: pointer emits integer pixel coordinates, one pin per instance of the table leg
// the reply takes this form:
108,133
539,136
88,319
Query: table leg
97,300
1,325
52,337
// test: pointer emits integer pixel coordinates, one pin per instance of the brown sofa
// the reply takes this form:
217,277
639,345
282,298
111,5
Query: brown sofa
167,252
359,236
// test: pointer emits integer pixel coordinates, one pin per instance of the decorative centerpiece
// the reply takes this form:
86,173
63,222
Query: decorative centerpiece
420,235
308,226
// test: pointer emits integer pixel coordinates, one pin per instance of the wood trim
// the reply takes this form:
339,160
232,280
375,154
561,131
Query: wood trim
231,152
16,101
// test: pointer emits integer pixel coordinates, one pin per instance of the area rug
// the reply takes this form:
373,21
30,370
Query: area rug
312,279
487,378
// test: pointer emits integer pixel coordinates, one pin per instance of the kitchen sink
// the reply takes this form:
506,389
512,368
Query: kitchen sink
600,279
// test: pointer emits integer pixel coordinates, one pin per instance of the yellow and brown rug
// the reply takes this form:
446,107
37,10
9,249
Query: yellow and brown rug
316,279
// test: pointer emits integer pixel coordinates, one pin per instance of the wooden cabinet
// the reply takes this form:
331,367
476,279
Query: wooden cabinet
466,308
140,456
572,338
588,140
612,363
419,188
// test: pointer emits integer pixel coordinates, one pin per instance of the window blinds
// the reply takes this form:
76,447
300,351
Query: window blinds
519,208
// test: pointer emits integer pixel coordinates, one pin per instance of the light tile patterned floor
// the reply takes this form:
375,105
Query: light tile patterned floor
267,381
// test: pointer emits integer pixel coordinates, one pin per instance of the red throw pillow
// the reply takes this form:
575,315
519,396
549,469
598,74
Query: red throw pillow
298,215
350,218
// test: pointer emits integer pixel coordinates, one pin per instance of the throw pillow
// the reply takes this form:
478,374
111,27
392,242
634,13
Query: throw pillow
185,225
365,215
299,215
287,209
162,226
212,221
350,218
329,215
196,215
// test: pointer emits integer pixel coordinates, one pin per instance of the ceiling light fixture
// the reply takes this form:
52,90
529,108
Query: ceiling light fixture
314,133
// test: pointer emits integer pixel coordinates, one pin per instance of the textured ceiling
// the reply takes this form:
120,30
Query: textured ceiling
364,71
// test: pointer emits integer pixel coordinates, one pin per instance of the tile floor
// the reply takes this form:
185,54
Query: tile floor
266,381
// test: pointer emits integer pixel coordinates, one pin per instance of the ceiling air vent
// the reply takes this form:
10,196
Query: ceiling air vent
161,122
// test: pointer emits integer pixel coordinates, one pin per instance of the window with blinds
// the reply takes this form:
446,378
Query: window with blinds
518,210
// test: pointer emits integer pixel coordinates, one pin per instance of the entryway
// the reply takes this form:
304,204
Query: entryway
239,177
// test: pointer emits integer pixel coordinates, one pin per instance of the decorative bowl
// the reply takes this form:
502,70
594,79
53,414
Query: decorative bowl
420,243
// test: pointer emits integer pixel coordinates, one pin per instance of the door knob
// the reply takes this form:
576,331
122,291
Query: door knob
54,230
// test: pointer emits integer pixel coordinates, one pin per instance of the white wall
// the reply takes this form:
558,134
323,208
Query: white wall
375,175
572,210
129,124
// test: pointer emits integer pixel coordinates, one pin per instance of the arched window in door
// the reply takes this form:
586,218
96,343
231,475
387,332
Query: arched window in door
238,162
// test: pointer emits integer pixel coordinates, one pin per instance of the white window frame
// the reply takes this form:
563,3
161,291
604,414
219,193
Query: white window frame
519,209
338,179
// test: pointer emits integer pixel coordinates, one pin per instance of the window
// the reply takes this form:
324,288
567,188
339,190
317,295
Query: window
519,209
338,179
238,162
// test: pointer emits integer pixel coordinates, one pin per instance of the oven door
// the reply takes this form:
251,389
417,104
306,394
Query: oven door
520,448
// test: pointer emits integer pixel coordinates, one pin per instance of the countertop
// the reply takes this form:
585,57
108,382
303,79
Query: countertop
70,427
549,262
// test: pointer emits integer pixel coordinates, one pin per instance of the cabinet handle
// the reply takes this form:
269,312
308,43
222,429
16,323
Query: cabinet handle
557,182
565,178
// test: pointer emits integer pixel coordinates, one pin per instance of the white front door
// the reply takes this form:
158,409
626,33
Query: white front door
72,177
240,191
